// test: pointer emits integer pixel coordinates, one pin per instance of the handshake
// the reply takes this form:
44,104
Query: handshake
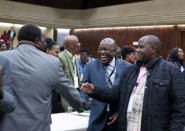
87,88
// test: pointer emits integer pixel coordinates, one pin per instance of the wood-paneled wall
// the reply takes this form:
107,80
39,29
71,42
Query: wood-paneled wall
170,36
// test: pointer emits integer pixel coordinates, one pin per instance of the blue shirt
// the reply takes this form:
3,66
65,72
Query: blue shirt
82,69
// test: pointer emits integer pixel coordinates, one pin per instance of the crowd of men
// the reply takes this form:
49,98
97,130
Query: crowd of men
135,91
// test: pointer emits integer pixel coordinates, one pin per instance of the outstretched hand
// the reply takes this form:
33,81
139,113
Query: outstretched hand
87,88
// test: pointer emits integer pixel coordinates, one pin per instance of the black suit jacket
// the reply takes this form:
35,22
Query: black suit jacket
14,33
164,99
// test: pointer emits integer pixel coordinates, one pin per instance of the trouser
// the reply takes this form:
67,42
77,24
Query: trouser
112,127
11,42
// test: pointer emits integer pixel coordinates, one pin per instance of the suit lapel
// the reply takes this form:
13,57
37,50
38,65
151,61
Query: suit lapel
101,73
69,61
118,70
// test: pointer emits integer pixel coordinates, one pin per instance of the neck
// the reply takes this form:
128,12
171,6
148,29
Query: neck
26,42
69,50
145,64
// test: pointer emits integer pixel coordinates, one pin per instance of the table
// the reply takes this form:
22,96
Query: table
69,121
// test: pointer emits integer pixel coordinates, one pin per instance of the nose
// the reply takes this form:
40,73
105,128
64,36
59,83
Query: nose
138,50
102,51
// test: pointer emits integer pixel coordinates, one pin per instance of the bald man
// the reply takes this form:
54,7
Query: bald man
104,72
151,95
70,64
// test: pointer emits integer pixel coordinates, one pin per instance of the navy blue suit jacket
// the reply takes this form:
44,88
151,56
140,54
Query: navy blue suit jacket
94,74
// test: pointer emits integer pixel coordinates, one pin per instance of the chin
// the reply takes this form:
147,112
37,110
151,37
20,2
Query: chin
104,62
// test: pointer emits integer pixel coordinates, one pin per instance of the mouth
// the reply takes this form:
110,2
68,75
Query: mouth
103,58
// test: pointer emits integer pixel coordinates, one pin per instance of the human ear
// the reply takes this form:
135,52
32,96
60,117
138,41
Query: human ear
37,43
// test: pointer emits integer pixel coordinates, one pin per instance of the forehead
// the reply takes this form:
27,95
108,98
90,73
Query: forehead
56,47
180,50
107,44
143,42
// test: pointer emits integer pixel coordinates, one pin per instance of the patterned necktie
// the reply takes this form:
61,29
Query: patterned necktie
107,77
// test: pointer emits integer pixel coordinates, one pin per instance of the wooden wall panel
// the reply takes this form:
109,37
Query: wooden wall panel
170,37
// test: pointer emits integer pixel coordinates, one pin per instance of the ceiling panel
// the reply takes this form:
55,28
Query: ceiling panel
77,4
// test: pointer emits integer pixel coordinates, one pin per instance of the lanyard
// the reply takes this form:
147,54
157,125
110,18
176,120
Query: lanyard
112,73
140,77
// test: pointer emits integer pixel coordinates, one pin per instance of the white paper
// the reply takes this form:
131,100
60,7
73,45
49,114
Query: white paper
76,82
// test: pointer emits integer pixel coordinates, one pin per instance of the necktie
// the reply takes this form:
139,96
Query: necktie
107,77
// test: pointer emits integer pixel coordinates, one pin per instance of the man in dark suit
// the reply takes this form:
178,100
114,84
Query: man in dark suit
151,95
104,72
11,34
7,99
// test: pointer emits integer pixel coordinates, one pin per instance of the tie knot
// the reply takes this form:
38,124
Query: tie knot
105,67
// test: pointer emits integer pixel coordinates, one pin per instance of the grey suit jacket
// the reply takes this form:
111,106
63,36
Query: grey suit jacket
8,103
35,74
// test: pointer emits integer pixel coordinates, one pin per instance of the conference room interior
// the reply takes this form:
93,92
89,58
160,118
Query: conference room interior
125,21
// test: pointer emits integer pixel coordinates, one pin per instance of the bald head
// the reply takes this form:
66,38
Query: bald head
152,40
149,48
107,50
71,44
109,42
71,39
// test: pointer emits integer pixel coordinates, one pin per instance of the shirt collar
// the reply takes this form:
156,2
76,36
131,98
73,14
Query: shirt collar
70,55
112,63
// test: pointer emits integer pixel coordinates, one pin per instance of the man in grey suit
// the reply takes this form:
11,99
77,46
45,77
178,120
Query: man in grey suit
7,99
35,74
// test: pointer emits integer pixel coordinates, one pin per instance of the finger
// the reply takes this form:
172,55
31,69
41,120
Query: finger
113,120
110,118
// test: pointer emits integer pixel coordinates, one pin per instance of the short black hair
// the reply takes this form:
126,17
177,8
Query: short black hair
127,50
29,32
49,43
173,56
84,53
62,48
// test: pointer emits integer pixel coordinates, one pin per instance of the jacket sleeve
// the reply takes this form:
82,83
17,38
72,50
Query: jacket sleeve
64,88
14,34
107,95
177,99
86,78
8,102
110,95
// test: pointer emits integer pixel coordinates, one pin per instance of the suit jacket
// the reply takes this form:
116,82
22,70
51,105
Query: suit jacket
95,75
68,67
163,103
14,33
35,74
8,102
